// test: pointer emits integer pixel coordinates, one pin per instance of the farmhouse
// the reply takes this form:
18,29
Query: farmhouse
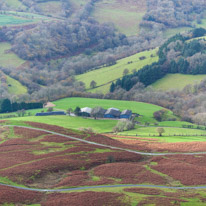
50,113
86,112
126,114
112,113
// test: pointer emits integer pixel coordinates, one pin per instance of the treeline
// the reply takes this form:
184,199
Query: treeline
7,106
177,55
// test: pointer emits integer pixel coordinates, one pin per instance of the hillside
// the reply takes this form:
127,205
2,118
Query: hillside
177,81
125,15
107,74
147,56
179,54
62,39
48,158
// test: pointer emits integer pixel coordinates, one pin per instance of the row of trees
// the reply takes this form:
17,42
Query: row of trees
7,106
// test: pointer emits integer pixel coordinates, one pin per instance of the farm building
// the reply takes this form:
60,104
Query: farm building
126,114
112,113
86,112
49,104
50,113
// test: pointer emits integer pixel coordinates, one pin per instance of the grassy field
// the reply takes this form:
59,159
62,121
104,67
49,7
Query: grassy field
141,108
12,20
177,81
170,134
99,126
126,15
7,58
15,86
53,8
106,75
171,32
14,4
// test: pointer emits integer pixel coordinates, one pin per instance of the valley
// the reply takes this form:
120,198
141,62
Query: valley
102,102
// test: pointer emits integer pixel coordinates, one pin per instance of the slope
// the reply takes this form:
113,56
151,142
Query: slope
125,15
104,76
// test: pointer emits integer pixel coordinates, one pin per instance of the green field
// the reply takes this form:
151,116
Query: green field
99,126
126,15
15,4
171,32
15,86
170,135
7,58
141,108
106,75
177,81
12,20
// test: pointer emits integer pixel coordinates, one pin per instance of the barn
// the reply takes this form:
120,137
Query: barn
112,113
50,113
126,114
86,112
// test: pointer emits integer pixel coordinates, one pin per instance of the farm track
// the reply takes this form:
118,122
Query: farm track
105,186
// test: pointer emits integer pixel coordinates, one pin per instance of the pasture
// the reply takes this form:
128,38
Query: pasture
6,20
14,4
105,75
15,87
76,123
8,58
141,108
126,15
53,8
177,81
171,134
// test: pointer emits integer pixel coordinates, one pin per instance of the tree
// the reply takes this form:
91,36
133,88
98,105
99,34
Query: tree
112,87
97,112
125,72
69,111
6,106
93,84
77,111
159,115
160,130
50,109
123,125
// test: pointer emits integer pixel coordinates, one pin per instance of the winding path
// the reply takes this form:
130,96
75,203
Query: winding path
104,186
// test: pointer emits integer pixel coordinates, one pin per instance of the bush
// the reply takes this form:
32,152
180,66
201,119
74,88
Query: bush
123,125
110,159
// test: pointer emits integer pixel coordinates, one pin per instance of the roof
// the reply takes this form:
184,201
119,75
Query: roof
86,110
113,111
51,113
126,112
49,104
